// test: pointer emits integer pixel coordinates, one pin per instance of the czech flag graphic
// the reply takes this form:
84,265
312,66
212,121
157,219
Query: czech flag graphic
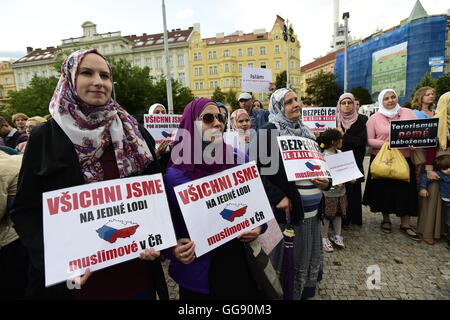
233,211
167,134
318,125
312,167
117,229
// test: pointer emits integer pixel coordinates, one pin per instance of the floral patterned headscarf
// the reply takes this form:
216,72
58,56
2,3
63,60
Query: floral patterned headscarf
93,128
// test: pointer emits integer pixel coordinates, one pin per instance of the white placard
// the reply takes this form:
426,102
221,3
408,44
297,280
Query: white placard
256,79
162,127
343,167
302,158
269,239
220,207
101,224
319,119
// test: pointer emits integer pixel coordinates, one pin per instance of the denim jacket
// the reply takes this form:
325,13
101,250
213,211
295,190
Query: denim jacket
444,184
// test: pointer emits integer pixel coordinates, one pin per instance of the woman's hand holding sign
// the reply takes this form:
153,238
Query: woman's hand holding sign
149,254
321,183
251,235
184,250
285,204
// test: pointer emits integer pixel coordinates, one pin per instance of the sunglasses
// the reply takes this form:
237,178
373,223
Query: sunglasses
209,117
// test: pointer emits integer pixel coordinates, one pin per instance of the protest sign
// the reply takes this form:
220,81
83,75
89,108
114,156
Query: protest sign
162,127
343,167
220,207
302,158
101,224
420,133
319,119
256,79
269,239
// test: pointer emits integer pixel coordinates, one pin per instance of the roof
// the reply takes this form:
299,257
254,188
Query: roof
237,38
321,61
39,55
418,12
174,36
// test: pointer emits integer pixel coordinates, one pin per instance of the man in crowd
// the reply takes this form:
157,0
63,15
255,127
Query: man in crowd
258,117
11,136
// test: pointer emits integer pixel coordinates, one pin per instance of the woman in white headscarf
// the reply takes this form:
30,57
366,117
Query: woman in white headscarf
294,203
162,150
387,195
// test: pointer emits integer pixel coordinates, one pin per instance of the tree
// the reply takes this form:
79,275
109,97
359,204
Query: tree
181,95
427,81
362,94
323,90
442,85
218,95
281,80
232,100
33,100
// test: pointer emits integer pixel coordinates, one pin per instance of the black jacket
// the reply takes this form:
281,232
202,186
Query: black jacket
355,139
49,163
277,185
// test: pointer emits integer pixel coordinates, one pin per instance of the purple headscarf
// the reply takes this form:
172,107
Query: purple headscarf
346,119
191,113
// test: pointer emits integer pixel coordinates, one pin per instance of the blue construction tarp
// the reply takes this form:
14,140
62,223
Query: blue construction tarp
425,37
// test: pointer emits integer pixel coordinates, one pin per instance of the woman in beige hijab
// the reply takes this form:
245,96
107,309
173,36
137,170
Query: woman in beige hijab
431,220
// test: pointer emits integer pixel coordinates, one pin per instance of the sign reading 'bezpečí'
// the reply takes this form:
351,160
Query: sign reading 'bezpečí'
319,119
302,158
420,133
220,207
101,224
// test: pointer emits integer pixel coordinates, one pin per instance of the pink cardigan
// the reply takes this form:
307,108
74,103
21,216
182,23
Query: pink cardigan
378,129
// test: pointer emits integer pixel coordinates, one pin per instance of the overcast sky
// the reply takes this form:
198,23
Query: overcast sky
44,23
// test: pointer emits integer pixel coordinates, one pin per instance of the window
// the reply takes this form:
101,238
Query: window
158,62
182,78
240,67
227,69
277,49
115,48
250,52
210,70
262,51
195,57
137,62
226,53
214,55
148,62
277,65
201,85
171,61
250,65
211,85
7,80
215,69
216,84
227,83
234,83
263,64
181,60
240,52
199,56
210,55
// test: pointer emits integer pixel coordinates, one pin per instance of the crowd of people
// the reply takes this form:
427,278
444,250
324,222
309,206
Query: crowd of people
88,137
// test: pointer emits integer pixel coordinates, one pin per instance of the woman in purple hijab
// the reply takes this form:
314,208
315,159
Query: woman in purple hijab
222,273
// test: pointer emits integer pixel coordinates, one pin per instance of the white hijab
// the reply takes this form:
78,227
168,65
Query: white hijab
389,113
152,108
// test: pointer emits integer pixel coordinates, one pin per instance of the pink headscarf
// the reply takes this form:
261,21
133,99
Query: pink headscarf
346,119
235,117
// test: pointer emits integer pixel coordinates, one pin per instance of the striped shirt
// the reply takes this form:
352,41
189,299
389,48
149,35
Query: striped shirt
311,197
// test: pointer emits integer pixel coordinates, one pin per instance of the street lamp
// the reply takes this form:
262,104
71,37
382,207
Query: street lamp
166,53
346,16
114,90
288,35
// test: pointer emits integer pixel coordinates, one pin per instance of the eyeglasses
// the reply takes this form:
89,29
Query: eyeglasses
29,127
209,117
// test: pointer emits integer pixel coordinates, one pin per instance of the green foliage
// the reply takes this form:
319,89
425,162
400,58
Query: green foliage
442,85
427,81
181,96
362,94
33,100
323,90
281,80
218,95
232,100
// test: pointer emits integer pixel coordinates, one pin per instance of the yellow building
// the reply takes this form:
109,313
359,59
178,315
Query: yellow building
7,82
217,62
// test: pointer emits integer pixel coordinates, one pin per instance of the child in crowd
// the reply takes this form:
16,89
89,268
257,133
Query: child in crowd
442,168
335,199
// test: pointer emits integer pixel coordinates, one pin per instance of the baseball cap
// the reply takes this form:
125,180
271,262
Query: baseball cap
245,96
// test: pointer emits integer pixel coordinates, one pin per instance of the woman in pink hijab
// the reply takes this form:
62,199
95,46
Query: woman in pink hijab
353,126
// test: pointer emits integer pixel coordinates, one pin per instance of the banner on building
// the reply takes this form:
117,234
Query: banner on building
319,119
419,133
389,69
302,158
101,224
256,79
162,127
220,207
